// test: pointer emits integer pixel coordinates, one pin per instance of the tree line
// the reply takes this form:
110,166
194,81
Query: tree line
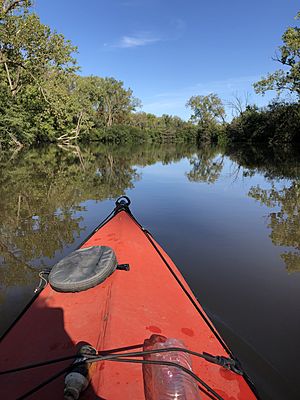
278,122
43,98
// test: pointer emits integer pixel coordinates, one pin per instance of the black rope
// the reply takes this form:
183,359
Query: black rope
37,365
119,358
212,328
208,322
205,356
41,385
71,357
171,364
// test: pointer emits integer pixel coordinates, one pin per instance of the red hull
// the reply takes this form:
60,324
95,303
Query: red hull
124,310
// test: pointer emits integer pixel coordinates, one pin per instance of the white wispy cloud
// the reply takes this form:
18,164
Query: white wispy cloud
173,30
139,39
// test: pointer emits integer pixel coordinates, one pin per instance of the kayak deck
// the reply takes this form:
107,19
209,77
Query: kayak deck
121,312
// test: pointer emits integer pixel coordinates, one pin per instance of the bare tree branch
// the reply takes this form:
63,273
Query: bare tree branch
9,6
239,103
8,77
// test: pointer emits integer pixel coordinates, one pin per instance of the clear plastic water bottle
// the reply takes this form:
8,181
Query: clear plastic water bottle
162,382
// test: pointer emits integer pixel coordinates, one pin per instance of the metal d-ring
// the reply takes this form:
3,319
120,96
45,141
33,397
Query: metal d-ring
123,201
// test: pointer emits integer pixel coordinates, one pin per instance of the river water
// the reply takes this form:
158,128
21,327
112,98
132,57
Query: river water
230,221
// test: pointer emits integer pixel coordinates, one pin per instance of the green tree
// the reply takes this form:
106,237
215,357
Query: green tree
31,57
42,99
167,128
207,110
114,102
289,56
28,48
208,113
277,123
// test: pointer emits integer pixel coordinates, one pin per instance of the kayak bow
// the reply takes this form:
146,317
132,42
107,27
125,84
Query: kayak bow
148,297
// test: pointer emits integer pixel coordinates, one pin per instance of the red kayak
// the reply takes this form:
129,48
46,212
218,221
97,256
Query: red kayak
142,296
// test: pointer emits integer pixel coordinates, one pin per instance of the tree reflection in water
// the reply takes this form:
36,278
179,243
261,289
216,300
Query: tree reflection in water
43,193
281,168
285,223
207,165
277,166
43,190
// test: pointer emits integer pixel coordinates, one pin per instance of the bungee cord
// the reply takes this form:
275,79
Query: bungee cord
118,357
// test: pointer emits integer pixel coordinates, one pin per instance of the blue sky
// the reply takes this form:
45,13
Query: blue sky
168,50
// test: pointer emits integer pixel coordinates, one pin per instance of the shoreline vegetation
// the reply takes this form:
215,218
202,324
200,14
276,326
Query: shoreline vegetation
43,99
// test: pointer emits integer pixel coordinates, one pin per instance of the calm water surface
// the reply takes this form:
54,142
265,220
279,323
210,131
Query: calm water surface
231,223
